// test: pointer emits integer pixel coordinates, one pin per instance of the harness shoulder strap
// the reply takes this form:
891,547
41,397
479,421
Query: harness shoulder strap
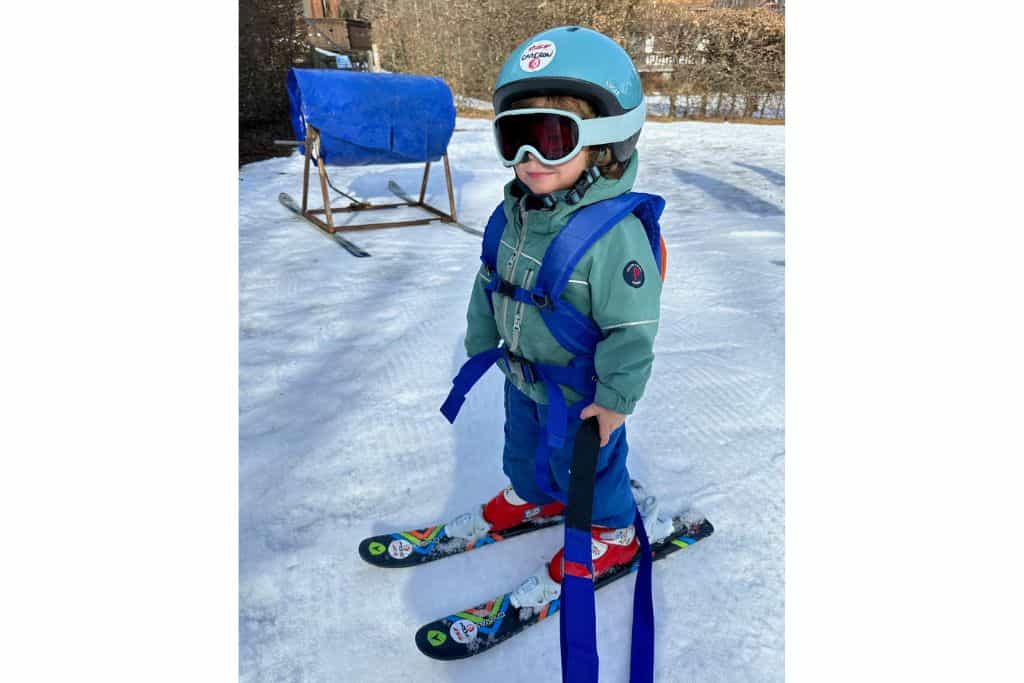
492,237
648,210
587,226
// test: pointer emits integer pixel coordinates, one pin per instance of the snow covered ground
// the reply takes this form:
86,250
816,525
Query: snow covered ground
686,105
344,363
769,106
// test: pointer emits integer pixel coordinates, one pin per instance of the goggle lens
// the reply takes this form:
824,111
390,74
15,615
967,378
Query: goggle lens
553,135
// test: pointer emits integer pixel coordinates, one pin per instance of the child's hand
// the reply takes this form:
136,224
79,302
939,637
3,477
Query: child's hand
608,420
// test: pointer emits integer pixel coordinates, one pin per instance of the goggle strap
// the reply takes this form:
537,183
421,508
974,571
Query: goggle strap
606,129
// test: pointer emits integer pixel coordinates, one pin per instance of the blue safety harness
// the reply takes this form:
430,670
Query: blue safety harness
579,335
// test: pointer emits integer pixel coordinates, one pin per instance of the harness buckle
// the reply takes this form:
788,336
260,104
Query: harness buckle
521,367
541,300
506,288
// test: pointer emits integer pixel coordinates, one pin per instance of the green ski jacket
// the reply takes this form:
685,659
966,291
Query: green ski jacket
604,285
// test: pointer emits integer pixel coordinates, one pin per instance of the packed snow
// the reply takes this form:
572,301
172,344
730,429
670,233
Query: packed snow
344,363
766,106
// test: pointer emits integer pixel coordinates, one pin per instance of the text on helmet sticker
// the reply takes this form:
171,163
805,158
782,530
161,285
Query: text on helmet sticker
537,56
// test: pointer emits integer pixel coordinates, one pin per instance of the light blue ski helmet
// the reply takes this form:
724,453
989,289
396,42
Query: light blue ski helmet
577,61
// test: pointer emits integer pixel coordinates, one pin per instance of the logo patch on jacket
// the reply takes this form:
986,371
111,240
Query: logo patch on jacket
633,274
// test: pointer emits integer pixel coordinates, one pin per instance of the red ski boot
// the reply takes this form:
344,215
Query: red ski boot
507,510
608,548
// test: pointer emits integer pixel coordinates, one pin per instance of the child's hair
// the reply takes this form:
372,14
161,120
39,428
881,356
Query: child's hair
601,155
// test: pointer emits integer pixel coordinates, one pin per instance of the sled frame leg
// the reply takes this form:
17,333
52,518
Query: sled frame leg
312,145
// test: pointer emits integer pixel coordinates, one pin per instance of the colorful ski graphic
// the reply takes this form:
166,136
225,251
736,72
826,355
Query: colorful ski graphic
480,628
418,546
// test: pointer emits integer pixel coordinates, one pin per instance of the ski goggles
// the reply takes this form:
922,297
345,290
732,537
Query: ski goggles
555,136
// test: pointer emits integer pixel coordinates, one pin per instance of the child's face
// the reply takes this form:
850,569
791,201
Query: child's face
543,179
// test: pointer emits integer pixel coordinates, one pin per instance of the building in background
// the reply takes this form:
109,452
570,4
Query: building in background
336,42
658,60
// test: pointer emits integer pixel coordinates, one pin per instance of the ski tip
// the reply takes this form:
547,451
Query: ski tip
374,551
389,552
364,549
429,638
436,640
358,252
288,202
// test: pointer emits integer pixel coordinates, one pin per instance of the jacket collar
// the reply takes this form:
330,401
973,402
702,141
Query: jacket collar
548,213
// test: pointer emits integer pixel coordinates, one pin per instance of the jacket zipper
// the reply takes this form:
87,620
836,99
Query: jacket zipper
518,321
510,269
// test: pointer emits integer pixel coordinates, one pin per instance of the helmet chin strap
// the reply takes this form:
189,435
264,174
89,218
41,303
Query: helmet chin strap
582,184
573,196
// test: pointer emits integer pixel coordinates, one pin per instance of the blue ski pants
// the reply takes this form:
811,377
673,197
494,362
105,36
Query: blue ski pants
613,497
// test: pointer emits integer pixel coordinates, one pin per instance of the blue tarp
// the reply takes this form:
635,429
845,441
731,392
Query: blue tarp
372,118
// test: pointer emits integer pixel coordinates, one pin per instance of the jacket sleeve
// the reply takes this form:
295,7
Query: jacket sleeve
625,297
481,329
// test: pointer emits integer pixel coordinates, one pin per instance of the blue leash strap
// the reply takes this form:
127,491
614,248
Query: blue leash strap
577,618
469,375
641,663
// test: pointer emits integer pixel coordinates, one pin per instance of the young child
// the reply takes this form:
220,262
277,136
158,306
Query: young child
569,108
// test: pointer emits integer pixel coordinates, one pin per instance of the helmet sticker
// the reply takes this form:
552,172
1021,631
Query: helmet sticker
537,56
